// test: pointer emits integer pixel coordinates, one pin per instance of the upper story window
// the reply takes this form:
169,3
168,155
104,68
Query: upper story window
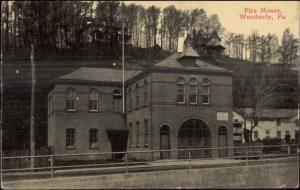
137,95
71,99
278,122
145,92
180,96
93,100
130,98
93,138
205,91
193,91
70,138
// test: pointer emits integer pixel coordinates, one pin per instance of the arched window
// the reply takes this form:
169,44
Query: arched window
93,100
71,99
137,96
205,91
222,141
180,96
193,91
145,92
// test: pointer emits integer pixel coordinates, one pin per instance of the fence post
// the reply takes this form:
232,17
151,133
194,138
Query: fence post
126,163
289,149
190,164
51,165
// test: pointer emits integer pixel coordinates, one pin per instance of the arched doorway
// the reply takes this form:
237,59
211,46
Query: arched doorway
194,133
165,141
222,141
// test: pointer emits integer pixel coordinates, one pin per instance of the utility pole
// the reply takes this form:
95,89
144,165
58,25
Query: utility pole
1,91
123,60
32,139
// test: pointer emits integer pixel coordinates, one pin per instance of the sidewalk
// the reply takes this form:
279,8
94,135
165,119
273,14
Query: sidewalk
275,172
161,165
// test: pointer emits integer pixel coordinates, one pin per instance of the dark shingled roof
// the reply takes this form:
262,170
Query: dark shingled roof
189,52
99,75
173,62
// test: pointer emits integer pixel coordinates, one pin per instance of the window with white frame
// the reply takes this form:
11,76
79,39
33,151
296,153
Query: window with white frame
145,92
180,96
205,91
137,96
70,138
71,99
93,100
93,138
193,91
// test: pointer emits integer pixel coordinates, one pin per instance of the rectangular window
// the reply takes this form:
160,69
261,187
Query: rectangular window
267,132
147,133
287,132
130,98
71,99
70,138
93,100
278,122
279,134
255,134
130,135
137,133
93,138
137,96
145,93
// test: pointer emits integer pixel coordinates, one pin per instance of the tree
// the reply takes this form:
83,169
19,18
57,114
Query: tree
289,47
254,93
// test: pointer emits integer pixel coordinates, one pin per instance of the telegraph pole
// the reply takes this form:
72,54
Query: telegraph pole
32,139
123,61
1,91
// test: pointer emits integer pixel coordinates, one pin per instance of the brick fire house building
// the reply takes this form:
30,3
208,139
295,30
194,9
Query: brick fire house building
181,102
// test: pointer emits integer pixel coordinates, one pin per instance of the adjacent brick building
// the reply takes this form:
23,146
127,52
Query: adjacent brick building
179,103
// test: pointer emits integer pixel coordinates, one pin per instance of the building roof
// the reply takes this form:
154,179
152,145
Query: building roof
173,62
189,52
273,113
99,75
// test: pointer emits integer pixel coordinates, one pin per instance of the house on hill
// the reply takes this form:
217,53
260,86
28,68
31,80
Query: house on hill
85,110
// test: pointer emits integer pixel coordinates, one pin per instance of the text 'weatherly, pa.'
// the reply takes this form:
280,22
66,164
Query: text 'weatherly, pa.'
262,14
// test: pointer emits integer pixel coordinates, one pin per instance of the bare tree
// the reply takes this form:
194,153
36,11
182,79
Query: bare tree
254,93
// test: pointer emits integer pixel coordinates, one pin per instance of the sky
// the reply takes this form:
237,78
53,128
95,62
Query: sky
229,14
